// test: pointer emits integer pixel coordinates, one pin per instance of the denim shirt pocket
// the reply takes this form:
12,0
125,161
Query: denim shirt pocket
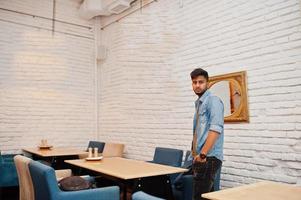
203,116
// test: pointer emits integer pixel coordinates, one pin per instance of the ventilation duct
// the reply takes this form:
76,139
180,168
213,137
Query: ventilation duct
93,8
117,7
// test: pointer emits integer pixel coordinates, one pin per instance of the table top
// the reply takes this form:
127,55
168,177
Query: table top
55,151
126,168
264,190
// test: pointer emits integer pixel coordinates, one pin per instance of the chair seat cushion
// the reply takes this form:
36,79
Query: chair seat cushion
74,183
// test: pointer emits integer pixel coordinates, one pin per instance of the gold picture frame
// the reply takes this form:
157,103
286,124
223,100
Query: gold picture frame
238,108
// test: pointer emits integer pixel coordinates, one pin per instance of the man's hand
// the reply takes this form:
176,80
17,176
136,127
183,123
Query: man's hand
199,159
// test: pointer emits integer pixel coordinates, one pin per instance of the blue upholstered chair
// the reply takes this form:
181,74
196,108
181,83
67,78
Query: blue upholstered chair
8,172
46,187
168,156
93,144
163,156
98,144
144,196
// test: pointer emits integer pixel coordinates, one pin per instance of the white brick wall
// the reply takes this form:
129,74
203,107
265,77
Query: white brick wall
47,83
145,97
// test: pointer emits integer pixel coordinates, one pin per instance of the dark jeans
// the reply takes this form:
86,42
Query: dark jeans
203,176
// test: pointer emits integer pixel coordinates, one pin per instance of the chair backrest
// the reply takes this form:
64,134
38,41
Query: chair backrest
187,156
187,162
98,144
44,181
8,172
25,182
168,156
113,150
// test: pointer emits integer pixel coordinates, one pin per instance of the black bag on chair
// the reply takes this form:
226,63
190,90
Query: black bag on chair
74,183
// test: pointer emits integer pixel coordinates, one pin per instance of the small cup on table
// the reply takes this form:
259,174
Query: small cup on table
90,152
95,152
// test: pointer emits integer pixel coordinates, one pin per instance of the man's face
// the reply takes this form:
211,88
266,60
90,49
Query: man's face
199,85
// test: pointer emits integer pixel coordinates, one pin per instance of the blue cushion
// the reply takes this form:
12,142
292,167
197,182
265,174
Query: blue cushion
8,172
168,156
144,196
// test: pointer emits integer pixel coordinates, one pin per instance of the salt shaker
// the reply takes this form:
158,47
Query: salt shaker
90,152
95,152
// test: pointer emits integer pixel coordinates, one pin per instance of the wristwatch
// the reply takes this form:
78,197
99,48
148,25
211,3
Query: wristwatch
203,156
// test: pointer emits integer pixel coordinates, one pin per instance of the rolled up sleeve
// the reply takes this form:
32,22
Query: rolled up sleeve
216,109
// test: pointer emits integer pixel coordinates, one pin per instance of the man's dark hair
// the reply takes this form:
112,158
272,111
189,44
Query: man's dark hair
199,72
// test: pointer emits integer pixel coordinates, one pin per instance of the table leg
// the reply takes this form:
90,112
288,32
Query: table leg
53,162
124,188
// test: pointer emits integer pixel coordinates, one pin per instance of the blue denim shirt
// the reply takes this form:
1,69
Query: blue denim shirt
211,117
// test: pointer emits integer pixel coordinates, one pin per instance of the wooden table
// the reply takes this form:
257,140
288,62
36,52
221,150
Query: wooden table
126,169
55,156
265,190
55,151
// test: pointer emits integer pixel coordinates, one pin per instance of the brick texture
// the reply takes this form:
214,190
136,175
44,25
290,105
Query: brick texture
145,96
47,81
48,85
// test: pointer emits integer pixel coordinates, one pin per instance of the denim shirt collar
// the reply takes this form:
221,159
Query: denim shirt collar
203,97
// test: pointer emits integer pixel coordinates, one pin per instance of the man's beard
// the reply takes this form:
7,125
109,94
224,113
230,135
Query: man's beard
200,93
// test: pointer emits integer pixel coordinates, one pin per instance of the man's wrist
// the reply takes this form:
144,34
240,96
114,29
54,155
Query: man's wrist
203,156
